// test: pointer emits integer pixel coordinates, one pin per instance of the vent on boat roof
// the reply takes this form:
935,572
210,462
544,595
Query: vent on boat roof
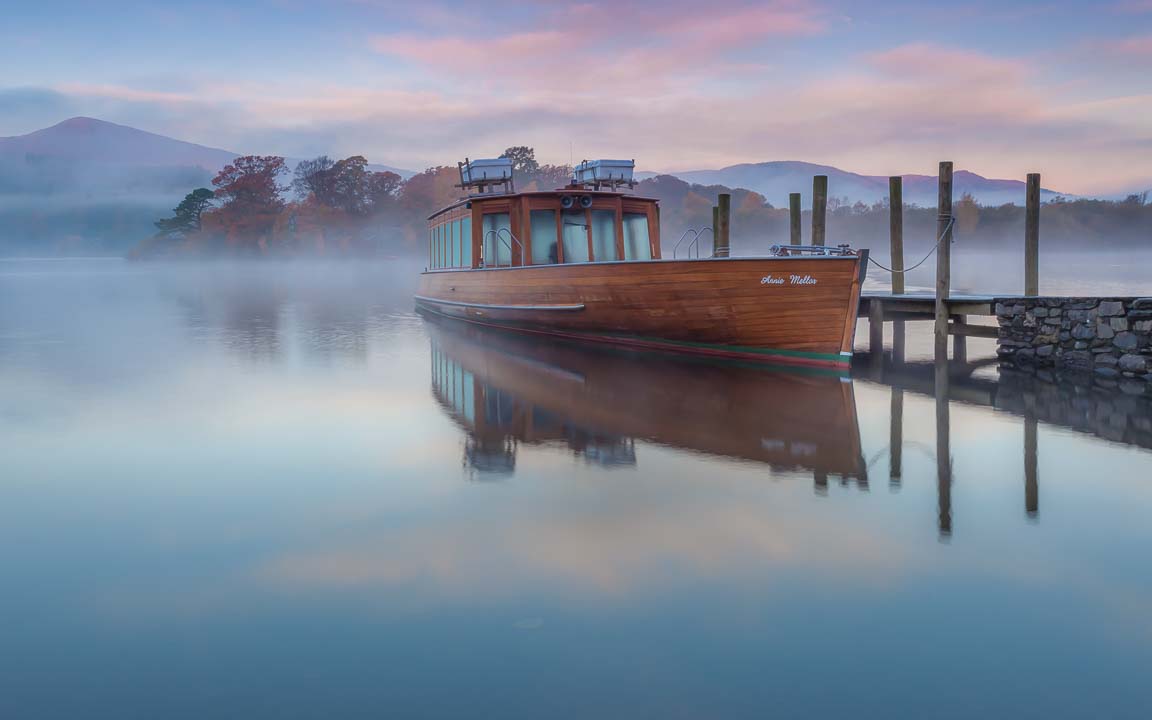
486,176
610,174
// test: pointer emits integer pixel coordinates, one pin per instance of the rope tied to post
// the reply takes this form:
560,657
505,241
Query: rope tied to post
951,221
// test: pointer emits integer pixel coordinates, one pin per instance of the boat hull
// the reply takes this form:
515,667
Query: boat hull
788,310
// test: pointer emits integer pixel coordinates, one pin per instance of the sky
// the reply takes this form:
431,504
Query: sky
884,87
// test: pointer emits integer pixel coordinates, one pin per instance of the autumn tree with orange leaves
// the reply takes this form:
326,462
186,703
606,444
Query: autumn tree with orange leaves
250,190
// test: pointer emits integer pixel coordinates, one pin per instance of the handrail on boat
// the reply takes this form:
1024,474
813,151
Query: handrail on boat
695,242
497,233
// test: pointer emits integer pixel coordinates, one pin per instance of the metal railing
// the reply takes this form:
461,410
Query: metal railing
499,235
693,244
795,250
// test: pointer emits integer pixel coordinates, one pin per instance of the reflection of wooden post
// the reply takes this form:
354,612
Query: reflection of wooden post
819,208
794,217
943,450
1032,236
896,439
943,256
896,232
820,483
723,247
1031,485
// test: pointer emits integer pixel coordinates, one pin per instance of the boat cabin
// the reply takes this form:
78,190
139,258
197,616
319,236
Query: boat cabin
580,223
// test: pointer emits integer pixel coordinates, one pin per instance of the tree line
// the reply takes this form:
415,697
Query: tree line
256,206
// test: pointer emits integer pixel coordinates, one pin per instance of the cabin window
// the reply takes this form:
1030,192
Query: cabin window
436,246
455,243
575,236
497,239
466,242
636,243
443,246
543,224
604,235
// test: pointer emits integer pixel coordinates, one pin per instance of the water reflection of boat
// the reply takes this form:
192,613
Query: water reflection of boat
504,389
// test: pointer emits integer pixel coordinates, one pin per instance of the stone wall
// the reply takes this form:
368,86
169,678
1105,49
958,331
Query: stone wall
1109,337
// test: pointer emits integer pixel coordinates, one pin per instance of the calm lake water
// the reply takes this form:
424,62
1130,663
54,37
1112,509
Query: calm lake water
276,492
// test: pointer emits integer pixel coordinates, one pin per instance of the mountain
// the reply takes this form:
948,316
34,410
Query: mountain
94,187
775,180
82,144
88,140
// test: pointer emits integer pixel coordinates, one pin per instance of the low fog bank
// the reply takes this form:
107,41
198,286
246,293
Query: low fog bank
102,322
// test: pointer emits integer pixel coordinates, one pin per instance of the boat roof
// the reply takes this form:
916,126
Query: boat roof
537,193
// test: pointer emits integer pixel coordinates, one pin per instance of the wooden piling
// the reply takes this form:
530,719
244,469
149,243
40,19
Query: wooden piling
943,256
794,215
715,229
896,232
876,330
959,340
723,223
1032,236
819,208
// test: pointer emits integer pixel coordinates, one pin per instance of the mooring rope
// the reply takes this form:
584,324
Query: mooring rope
951,222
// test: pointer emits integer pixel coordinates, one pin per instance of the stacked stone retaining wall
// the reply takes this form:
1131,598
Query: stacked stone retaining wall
1109,337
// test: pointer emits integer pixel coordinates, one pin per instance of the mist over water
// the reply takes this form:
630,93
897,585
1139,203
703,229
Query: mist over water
273,490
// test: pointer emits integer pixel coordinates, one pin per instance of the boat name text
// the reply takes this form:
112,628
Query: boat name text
792,280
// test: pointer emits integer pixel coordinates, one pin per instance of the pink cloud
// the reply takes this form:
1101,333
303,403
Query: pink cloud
1131,47
606,46
1135,6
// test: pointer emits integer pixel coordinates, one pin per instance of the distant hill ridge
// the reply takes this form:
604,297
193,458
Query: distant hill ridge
85,140
776,179
84,145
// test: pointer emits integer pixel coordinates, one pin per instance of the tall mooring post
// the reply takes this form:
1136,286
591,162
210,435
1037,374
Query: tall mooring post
896,231
715,229
943,257
723,224
794,217
819,208
896,239
1032,236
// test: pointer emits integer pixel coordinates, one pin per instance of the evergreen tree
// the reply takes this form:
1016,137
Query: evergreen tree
186,216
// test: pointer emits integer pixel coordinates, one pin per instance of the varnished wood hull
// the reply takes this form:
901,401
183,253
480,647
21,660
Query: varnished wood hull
790,310
792,420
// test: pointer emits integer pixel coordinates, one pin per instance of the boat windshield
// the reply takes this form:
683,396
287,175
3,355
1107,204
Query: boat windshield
543,229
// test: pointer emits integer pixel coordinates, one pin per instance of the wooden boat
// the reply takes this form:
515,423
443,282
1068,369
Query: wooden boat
504,389
584,262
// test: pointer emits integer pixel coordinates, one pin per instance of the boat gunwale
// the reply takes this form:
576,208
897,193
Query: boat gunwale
852,258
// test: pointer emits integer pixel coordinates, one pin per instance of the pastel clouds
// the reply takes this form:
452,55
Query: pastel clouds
676,84
603,46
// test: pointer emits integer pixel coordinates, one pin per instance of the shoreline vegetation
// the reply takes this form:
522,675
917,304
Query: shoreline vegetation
340,208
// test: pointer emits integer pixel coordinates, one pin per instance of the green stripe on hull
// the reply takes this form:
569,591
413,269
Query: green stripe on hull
838,358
